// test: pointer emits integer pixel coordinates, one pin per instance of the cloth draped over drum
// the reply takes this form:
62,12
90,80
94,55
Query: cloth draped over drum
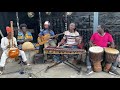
28,46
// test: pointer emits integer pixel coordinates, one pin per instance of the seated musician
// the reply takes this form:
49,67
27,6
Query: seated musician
24,35
101,38
80,43
45,31
6,43
69,41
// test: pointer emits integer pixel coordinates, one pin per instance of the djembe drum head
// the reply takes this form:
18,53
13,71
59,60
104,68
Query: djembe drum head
111,54
111,50
96,49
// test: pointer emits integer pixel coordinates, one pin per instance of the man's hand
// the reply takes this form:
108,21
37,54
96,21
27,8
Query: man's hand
56,36
70,45
93,44
15,45
8,46
112,46
58,46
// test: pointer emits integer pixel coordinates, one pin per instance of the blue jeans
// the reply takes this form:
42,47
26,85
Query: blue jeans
57,58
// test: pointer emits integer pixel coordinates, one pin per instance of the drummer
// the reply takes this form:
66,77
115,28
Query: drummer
24,35
102,38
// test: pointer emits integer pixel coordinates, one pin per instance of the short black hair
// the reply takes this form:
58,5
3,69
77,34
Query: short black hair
23,25
103,26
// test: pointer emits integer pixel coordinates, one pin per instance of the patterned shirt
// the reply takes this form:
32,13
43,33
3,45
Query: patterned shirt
21,37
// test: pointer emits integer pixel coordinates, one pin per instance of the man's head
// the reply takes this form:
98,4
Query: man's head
23,27
72,26
9,31
101,29
46,24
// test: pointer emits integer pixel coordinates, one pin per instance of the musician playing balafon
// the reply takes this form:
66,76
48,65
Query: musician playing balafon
69,41
6,43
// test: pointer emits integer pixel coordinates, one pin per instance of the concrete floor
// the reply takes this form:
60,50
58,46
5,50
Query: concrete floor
60,71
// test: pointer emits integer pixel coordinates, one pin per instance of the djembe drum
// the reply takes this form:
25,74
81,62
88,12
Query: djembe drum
28,46
111,55
96,56
29,49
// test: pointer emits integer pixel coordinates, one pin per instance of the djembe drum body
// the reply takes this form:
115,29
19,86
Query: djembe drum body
29,49
111,55
96,56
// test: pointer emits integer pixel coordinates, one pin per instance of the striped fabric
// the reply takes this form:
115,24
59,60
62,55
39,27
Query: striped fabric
71,37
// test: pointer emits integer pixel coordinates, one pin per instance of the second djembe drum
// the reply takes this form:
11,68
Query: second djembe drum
111,55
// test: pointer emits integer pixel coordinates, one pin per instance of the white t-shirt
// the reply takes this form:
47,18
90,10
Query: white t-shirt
5,42
70,37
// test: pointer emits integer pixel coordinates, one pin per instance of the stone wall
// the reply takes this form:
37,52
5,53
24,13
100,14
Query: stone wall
83,20
112,21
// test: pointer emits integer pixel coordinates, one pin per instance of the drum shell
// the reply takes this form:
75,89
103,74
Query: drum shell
107,67
30,55
97,67
110,58
94,57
